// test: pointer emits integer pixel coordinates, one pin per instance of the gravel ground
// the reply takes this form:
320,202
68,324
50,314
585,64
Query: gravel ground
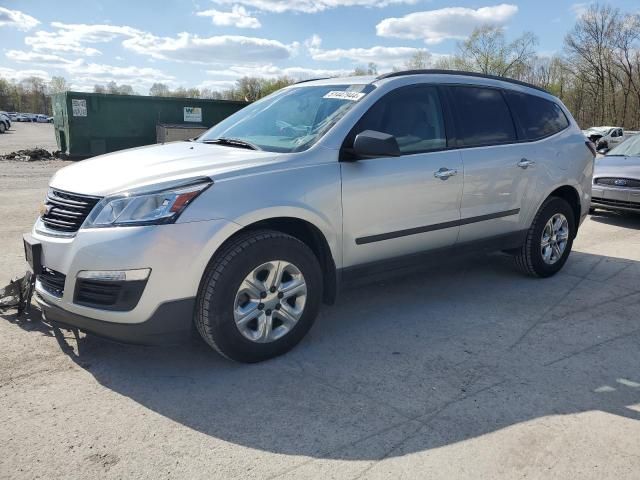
471,371
28,135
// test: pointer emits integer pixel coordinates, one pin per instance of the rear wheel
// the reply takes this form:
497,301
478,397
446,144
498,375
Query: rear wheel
259,296
549,239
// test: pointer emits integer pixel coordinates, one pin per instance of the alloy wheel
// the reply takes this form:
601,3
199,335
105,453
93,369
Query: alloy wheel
270,301
555,237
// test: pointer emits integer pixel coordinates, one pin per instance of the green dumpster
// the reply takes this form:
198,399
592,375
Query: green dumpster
88,124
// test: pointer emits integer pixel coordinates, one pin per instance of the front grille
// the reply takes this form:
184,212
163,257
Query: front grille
616,203
52,281
66,212
618,182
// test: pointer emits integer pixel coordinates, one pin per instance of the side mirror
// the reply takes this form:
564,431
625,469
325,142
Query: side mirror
603,151
372,144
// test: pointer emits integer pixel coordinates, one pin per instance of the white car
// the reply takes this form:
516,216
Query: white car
243,233
605,137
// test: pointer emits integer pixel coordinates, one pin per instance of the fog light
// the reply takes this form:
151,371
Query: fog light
115,275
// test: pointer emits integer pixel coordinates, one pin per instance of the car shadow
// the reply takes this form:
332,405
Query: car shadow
617,219
409,364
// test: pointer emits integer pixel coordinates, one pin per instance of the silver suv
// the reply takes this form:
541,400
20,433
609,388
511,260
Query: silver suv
243,233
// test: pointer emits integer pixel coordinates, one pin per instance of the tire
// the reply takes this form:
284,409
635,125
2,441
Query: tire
216,307
592,211
3,127
529,257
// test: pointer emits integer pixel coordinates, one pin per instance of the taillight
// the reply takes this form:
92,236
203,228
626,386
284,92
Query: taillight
592,147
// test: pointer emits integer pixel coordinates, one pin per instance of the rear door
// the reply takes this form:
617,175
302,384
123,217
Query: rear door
497,169
396,206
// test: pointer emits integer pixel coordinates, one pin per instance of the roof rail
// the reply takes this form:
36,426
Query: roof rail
458,72
310,80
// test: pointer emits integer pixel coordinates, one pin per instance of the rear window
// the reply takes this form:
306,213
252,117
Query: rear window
483,117
539,117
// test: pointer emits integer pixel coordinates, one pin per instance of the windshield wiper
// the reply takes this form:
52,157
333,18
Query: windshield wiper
617,155
233,142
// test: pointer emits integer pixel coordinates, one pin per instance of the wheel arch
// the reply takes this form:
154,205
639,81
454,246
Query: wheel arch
572,197
310,235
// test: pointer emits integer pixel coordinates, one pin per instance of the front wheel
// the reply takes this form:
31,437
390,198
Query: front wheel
259,296
3,128
549,239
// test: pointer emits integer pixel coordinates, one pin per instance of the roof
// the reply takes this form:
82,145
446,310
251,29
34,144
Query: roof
460,73
367,79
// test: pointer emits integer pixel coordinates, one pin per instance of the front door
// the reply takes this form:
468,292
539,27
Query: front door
395,206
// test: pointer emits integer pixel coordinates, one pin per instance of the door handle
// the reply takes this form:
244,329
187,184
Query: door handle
445,173
525,163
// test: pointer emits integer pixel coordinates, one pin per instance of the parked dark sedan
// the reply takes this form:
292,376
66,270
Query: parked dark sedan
616,178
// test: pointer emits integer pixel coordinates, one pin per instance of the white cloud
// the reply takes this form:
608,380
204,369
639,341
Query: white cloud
217,49
273,71
383,57
225,76
138,77
579,9
18,75
85,74
36,58
216,85
434,26
310,6
73,38
237,17
17,19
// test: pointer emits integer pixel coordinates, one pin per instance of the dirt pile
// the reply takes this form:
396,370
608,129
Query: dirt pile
31,155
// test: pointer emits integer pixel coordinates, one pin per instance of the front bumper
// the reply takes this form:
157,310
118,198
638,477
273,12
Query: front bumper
624,199
177,255
169,324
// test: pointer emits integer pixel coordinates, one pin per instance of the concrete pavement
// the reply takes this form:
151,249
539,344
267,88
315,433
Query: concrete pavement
469,371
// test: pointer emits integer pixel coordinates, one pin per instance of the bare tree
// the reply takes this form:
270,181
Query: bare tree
159,90
58,85
419,60
487,51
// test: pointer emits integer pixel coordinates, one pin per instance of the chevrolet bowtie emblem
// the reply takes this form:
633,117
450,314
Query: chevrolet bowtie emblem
44,209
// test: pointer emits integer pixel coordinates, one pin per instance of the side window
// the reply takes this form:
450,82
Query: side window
483,116
539,117
412,114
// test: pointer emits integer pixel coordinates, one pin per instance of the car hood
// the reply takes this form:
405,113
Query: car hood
144,166
624,167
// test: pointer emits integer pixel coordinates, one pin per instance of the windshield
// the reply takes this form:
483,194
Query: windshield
289,120
630,148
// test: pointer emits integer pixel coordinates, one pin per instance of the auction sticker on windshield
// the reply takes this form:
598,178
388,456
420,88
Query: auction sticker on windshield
341,95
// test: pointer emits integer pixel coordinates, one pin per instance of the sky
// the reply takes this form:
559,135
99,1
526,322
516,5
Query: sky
212,43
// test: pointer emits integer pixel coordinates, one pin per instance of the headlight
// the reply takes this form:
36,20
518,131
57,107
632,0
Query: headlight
144,207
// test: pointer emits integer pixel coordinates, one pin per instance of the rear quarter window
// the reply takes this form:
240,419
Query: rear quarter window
539,118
